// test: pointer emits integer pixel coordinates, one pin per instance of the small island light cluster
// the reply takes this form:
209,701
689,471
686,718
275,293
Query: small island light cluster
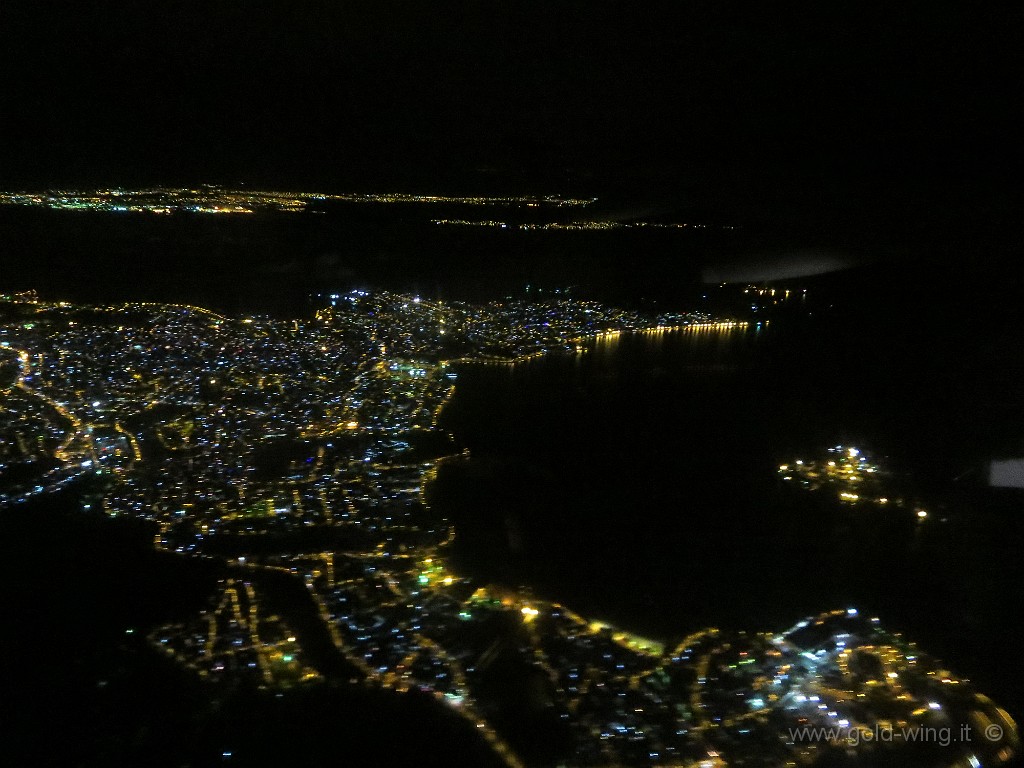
852,475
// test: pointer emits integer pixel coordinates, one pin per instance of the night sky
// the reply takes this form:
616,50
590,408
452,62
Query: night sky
806,111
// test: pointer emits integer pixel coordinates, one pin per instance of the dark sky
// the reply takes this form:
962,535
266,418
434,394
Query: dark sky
770,109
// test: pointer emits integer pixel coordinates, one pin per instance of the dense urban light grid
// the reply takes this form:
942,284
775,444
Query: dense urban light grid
304,447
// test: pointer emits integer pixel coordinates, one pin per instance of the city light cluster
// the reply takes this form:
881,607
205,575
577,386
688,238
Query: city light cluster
215,199
304,447
573,225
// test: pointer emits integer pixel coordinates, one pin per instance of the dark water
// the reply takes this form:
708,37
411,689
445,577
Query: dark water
637,484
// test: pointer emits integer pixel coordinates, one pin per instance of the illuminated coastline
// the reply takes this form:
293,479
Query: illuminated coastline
300,447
